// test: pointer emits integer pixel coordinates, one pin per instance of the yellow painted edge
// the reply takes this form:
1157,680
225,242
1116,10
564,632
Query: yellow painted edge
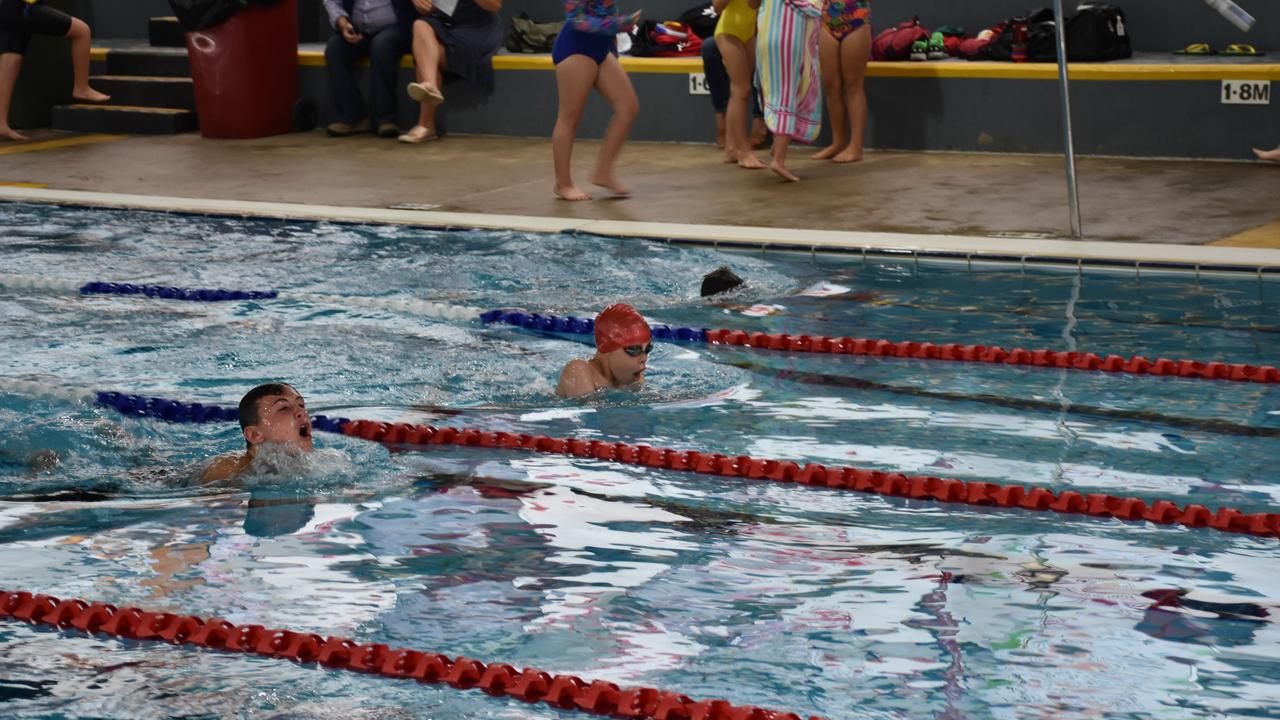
1263,236
24,185
936,69
98,54
59,143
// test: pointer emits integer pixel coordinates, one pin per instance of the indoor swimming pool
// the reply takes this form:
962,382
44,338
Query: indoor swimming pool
809,600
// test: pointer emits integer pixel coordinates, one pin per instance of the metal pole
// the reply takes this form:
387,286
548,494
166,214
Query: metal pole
1073,196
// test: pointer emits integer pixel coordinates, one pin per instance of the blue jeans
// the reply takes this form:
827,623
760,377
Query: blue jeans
718,79
384,50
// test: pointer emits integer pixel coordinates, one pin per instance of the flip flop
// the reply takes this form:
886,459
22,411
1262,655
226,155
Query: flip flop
1196,49
425,93
1242,50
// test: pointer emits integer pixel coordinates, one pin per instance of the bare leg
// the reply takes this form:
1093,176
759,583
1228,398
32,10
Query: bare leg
720,130
10,64
739,63
1273,155
615,86
778,163
855,49
81,41
758,132
833,89
575,75
428,61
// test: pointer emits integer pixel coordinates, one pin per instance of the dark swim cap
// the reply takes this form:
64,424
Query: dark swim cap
718,281
618,326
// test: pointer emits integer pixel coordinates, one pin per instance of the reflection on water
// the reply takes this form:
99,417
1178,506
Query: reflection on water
787,597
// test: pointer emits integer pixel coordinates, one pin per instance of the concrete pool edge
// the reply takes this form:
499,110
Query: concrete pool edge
956,247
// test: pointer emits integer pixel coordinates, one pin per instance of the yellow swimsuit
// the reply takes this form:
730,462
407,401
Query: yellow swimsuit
737,20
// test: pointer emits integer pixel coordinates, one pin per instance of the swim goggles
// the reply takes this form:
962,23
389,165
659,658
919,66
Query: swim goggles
638,350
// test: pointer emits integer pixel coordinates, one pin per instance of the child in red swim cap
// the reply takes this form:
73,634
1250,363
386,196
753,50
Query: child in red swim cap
623,344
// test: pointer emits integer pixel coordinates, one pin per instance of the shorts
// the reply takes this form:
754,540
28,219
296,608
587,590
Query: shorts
575,42
20,20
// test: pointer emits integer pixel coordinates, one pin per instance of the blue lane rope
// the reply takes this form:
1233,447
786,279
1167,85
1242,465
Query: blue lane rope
568,324
177,411
176,293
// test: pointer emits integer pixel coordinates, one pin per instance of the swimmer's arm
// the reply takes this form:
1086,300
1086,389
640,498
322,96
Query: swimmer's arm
575,380
222,468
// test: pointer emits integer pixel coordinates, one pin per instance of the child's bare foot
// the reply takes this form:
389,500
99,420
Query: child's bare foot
1273,155
749,161
88,94
571,193
781,171
730,157
8,133
828,152
607,181
848,155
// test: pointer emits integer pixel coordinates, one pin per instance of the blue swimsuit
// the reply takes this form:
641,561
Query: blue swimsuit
589,29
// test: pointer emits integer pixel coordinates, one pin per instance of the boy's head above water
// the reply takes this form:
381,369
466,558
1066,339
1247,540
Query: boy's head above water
275,413
623,342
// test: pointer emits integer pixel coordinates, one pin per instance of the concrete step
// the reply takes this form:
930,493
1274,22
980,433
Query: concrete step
147,91
123,119
163,61
166,32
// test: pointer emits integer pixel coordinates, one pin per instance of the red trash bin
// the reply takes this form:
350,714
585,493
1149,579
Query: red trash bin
245,72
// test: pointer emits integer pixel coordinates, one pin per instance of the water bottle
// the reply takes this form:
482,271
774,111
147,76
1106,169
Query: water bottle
1019,40
1235,14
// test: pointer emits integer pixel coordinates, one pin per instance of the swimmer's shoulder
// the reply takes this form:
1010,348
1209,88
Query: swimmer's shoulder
224,467
578,378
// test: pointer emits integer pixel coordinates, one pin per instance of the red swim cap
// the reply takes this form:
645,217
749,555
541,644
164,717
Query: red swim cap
618,326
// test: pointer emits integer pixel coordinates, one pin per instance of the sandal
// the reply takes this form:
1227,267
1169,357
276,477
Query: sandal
1242,50
418,134
421,92
1196,49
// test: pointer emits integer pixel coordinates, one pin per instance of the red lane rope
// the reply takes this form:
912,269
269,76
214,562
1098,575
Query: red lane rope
598,697
915,487
1069,360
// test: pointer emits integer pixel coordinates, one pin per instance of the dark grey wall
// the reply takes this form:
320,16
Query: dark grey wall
1129,118
1155,25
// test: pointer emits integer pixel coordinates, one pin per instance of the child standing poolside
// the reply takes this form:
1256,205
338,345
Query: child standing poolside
586,56
787,67
844,50
735,36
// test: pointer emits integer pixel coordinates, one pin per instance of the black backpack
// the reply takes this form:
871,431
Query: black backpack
701,19
1098,32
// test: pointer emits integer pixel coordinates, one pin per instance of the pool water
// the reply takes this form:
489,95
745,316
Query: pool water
800,599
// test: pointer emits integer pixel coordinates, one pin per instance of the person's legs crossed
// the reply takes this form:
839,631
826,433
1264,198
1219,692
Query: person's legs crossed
429,60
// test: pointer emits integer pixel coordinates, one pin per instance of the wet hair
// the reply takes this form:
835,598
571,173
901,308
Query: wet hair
249,414
719,280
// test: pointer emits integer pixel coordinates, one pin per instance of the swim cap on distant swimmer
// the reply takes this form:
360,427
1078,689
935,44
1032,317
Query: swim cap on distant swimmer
718,281
618,326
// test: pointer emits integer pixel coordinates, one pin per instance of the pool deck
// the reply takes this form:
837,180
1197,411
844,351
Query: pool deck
1007,203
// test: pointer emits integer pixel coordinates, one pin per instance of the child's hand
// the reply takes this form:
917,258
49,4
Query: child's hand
632,20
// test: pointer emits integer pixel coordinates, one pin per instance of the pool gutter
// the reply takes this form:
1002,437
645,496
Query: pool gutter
1127,256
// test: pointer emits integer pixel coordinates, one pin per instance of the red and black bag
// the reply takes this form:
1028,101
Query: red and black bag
895,43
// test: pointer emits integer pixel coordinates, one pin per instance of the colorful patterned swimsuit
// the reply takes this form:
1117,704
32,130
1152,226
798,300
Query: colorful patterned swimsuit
842,17
590,29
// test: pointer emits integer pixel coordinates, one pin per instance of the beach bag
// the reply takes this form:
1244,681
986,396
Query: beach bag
527,35
1097,32
701,19
895,42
